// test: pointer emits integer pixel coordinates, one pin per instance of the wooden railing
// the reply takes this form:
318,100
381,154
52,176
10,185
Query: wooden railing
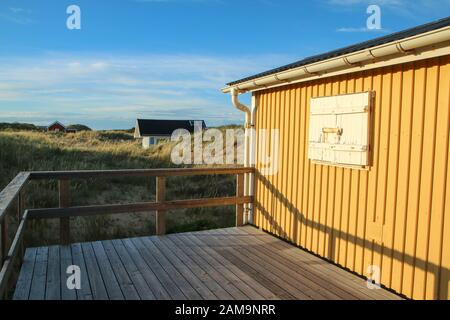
9,253
13,193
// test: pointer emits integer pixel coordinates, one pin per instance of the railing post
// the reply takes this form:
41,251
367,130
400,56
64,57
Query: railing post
64,202
160,198
239,194
19,206
20,209
4,239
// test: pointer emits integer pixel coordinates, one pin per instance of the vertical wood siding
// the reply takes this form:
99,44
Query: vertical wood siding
405,194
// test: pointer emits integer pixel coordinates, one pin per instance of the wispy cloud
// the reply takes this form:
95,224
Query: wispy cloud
113,91
362,29
401,7
16,15
368,2
16,10
181,1
220,2
405,8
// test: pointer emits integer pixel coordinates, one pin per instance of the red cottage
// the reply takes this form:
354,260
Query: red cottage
56,127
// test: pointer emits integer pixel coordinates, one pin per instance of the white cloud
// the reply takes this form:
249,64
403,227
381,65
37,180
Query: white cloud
362,30
117,89
400,7
182,1
16,15
16,10
368,2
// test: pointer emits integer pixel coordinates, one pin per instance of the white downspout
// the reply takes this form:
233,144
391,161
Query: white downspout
252,160
248,124
240,106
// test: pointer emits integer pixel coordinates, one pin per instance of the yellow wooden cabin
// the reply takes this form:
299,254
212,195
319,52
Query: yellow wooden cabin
361,175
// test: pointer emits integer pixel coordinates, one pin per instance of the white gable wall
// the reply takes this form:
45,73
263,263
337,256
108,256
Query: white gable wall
149,141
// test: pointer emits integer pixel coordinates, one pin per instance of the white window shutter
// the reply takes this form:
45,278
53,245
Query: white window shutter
339,129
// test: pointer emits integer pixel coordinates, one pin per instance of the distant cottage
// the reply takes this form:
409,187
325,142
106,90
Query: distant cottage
59,127
153,132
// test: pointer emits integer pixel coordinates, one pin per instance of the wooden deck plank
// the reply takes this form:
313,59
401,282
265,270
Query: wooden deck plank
85,292
296,255
93,272
243,281
253,288
232,263
329,287
66,261
136,277
198,279
272,264
109,278
225,277
154,283
53,283
283,288
24,281
330,283
187,288
123,279
309,265
37,291
212,279
167,280
328,270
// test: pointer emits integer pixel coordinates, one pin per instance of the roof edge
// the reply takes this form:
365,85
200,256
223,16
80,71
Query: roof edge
57,122
399,45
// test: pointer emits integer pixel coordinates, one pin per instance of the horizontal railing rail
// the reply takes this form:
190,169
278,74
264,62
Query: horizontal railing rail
169,172
13,253
13,192
81,211
8,253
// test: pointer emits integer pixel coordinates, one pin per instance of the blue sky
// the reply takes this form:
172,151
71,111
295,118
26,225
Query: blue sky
167,58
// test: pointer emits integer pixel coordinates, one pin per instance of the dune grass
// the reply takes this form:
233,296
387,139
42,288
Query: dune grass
90,150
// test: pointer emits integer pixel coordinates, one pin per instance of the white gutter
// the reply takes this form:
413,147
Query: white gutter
407,47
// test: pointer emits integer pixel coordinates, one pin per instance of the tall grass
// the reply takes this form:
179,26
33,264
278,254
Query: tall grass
34,151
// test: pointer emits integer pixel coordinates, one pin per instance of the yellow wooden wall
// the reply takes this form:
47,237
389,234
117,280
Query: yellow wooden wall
329,210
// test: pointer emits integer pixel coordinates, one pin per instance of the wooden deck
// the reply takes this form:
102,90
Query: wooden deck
234,263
